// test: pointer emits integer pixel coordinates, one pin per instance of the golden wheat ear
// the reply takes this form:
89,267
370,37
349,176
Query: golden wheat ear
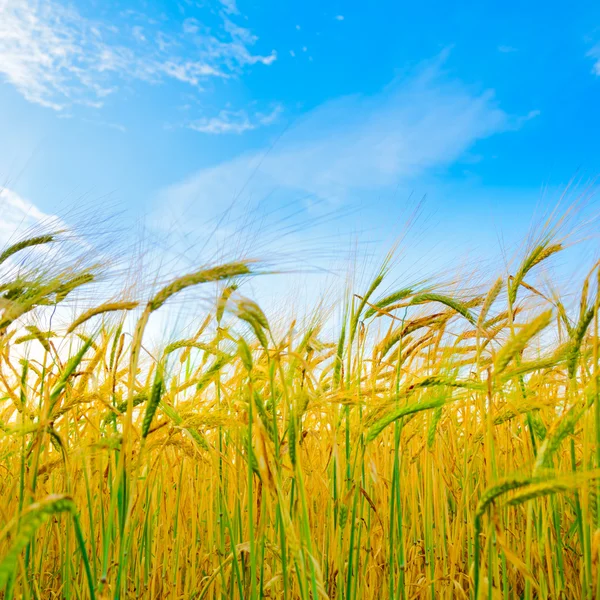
99,310
519,341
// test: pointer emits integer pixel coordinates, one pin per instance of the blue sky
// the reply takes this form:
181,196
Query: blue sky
328,118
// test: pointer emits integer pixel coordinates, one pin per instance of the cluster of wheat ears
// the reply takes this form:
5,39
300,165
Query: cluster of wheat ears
440,445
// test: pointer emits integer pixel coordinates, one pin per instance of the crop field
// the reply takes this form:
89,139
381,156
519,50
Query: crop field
439,442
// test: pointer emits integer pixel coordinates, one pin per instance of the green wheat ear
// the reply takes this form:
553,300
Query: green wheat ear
435,419
565,483
577,339
460,307
489,300
363,302
67,372
563,427
247,310
35,334
30,521
28,243
223,299
540,253
394,415
153,401
378,307
245,354
177,420
218,273
487,498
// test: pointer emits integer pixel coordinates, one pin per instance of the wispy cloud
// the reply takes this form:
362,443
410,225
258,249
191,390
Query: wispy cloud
353,146
506,49
594,54
230,121
519,121
56,57
339,17
230,7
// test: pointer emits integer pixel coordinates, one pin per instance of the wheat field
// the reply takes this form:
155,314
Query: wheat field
436,445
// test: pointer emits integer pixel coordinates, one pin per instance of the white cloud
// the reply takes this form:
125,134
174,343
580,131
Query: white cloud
594,53
239,121
55,57
20,216
339,17
351,148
